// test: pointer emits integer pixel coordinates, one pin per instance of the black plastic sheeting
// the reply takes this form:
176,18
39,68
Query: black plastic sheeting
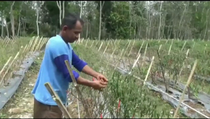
202,78
7,92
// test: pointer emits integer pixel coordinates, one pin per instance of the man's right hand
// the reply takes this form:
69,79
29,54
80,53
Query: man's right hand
98,85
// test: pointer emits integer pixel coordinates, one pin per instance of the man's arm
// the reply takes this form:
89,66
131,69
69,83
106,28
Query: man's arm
94,84
90,71
59,55
81,65
60,64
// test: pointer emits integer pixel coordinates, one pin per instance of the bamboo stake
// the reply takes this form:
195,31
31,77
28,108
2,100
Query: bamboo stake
92,43
35,44
166,42
148,71
183,45
129,42
30,44
145,51
5,64
114,51
57,100
180,72
186,86
77,88
159,47
169,51
86,43
44,42
78,109
106,47
131,48
134,64
39,43
100,45
2,80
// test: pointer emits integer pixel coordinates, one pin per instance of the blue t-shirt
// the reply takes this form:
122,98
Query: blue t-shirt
54,70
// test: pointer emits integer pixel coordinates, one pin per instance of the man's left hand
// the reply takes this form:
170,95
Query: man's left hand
101,78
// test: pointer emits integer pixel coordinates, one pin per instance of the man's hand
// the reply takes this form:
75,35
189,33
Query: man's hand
94,74
98,85
102,78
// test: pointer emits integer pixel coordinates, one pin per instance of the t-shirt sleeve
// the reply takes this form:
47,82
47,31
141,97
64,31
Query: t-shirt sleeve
59,55
77,62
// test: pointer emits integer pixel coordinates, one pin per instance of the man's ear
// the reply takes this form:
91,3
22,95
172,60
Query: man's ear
65,28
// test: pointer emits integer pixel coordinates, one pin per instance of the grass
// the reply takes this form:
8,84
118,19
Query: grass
10,48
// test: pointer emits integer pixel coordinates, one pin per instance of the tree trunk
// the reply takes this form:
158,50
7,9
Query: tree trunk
159,28
19,20
18,32
100,19
60,11
2,26
80,14
63,9
37,19
12,19
7,29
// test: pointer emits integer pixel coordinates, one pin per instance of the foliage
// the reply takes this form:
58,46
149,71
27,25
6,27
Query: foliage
122,20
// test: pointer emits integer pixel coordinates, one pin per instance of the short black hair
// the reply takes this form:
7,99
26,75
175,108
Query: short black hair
70,20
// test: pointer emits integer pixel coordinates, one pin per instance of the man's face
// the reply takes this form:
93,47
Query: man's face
73,34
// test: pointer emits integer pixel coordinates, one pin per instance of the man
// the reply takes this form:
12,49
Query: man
54,70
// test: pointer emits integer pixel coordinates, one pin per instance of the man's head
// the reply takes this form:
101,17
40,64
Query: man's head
71,27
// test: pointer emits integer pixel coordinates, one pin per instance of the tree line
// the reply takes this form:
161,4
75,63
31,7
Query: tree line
109,19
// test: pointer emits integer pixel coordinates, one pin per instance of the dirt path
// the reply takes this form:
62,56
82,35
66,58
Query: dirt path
21,104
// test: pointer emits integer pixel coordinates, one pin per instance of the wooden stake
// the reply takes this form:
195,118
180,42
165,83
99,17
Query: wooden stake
77,88
131,48
134,64
140,48
148,71
159,47
180,72
100,45
145,51
186,86
57,100
169,51
5,64
2,80
183,45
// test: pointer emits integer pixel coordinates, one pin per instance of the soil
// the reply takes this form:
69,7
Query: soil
198,107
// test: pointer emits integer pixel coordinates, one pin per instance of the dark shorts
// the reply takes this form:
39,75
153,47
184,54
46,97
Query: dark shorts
46,111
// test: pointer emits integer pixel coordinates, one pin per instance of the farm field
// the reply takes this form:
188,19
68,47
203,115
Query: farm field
140,85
